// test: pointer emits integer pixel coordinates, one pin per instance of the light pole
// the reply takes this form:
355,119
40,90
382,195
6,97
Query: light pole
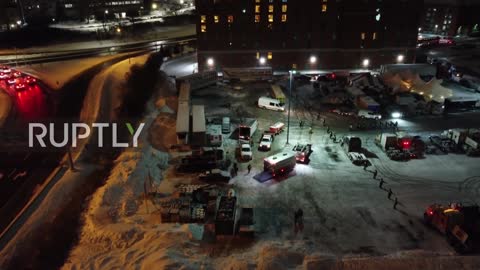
290,72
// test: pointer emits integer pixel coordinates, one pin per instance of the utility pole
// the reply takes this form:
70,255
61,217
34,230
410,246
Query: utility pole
290,72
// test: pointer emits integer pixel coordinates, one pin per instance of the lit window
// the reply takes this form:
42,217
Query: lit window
230,18
257,8
284,8
203,19
324,8
216,19
269,55
270,8
203,28
258,55
270,17
363,36
284,17
374,37
257,18
257,1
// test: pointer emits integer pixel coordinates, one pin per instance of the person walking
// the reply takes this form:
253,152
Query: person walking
380,185
395,203
249,167
375,174
298,221
390,193
235,169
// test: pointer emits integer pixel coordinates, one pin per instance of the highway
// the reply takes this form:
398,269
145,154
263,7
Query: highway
60,55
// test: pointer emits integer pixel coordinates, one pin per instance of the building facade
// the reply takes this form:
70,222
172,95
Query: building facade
306,34
451,17
10,15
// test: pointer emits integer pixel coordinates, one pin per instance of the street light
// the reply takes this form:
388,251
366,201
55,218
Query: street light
400,58
154,6
291,73
106,11
313,59
262,60
365,63
210,62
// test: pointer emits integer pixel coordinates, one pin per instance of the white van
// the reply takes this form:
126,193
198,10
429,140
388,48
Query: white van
226,125
271,104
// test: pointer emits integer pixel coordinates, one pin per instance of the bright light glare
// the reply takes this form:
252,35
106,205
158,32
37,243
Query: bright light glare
210,61
262,60
313,59
400,58
154,6
396,115
366,62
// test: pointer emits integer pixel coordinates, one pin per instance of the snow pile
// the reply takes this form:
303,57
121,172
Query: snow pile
123,193
5,107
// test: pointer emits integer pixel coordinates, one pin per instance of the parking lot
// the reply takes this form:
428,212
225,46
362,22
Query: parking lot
345,210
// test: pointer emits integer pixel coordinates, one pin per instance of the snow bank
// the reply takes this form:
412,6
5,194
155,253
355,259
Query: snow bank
5,107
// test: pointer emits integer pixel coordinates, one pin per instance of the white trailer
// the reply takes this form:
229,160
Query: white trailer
386,141
184,93
279,164
472,143
183,123
199,128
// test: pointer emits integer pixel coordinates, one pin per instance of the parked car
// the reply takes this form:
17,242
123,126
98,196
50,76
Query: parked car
369,114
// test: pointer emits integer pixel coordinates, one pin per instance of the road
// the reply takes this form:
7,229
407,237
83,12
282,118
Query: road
45,57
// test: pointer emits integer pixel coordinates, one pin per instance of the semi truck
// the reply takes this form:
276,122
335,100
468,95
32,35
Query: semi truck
280,164
460,224
401,146
246,130
467,140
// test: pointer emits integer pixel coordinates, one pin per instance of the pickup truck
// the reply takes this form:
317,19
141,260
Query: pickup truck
246,152
265,143
302,152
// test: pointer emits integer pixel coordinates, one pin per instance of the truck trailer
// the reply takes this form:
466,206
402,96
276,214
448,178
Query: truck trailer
246,130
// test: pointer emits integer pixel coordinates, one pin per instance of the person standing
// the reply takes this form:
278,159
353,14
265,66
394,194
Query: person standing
298,220
249,168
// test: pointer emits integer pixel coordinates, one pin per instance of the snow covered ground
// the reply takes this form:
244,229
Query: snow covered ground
349,221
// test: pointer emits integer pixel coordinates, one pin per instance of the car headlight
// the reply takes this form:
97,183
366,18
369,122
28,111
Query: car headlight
396,115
